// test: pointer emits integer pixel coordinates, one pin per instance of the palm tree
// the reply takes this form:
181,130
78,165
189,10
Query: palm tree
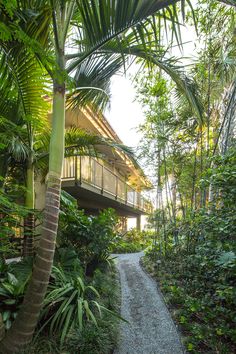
23,109
17,150
48,28
24,126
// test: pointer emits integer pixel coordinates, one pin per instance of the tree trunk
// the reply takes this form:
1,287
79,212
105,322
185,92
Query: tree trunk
29,226
28,246
23,327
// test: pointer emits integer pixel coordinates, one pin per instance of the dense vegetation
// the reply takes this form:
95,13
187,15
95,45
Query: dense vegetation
196,267
81,305
65,287
193,255
37,63
132,240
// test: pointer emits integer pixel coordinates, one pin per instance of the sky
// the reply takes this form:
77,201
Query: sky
125,112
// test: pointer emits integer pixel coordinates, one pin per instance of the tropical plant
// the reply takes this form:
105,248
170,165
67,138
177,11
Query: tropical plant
11,294
96,24
132,241
68,303
91,236
92,338
11,215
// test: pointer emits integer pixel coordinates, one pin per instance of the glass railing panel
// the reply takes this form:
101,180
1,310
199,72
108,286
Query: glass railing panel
141,203
121,189
96,173
86,169
68,170
109,181
130,195
136,199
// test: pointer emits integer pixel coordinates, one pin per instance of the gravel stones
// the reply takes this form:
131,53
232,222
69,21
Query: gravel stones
150,329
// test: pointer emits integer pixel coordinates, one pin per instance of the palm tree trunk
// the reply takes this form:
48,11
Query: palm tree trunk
194,177
23,327
28,247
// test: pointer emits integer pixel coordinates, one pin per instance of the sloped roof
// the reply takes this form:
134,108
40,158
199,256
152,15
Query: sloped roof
98,124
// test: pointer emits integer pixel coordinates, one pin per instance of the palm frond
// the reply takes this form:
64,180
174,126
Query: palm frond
93,78
78,142
185,84
81,142
229,2
102,21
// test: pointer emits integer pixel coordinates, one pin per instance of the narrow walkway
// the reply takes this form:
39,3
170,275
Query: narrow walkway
150,329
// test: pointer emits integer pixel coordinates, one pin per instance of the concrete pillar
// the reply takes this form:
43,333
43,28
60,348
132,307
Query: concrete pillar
138,223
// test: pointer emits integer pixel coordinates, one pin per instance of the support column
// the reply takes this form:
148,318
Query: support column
138,223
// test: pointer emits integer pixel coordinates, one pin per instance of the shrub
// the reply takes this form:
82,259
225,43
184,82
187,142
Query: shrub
132,241
11,214
12,287
68,303
100,339
91,236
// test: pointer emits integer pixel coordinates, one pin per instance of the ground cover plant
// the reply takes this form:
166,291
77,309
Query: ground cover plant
201,295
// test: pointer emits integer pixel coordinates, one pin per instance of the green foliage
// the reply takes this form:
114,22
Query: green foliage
131,241
93,340
11,215
78,312
100,339
68,303
91,236
67,259
14,278
97,338
197,273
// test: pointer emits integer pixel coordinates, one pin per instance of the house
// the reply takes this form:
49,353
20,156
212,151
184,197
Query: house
115,180
112,180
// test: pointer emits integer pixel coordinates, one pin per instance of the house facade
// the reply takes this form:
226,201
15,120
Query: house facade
114,180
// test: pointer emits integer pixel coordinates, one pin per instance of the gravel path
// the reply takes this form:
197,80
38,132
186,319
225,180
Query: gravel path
150,329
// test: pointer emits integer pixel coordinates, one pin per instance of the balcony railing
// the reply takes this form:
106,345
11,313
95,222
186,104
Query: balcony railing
87,170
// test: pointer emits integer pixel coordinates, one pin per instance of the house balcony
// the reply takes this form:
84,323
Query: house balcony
97,187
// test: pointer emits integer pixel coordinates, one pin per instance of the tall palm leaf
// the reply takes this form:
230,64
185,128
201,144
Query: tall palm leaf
24,77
